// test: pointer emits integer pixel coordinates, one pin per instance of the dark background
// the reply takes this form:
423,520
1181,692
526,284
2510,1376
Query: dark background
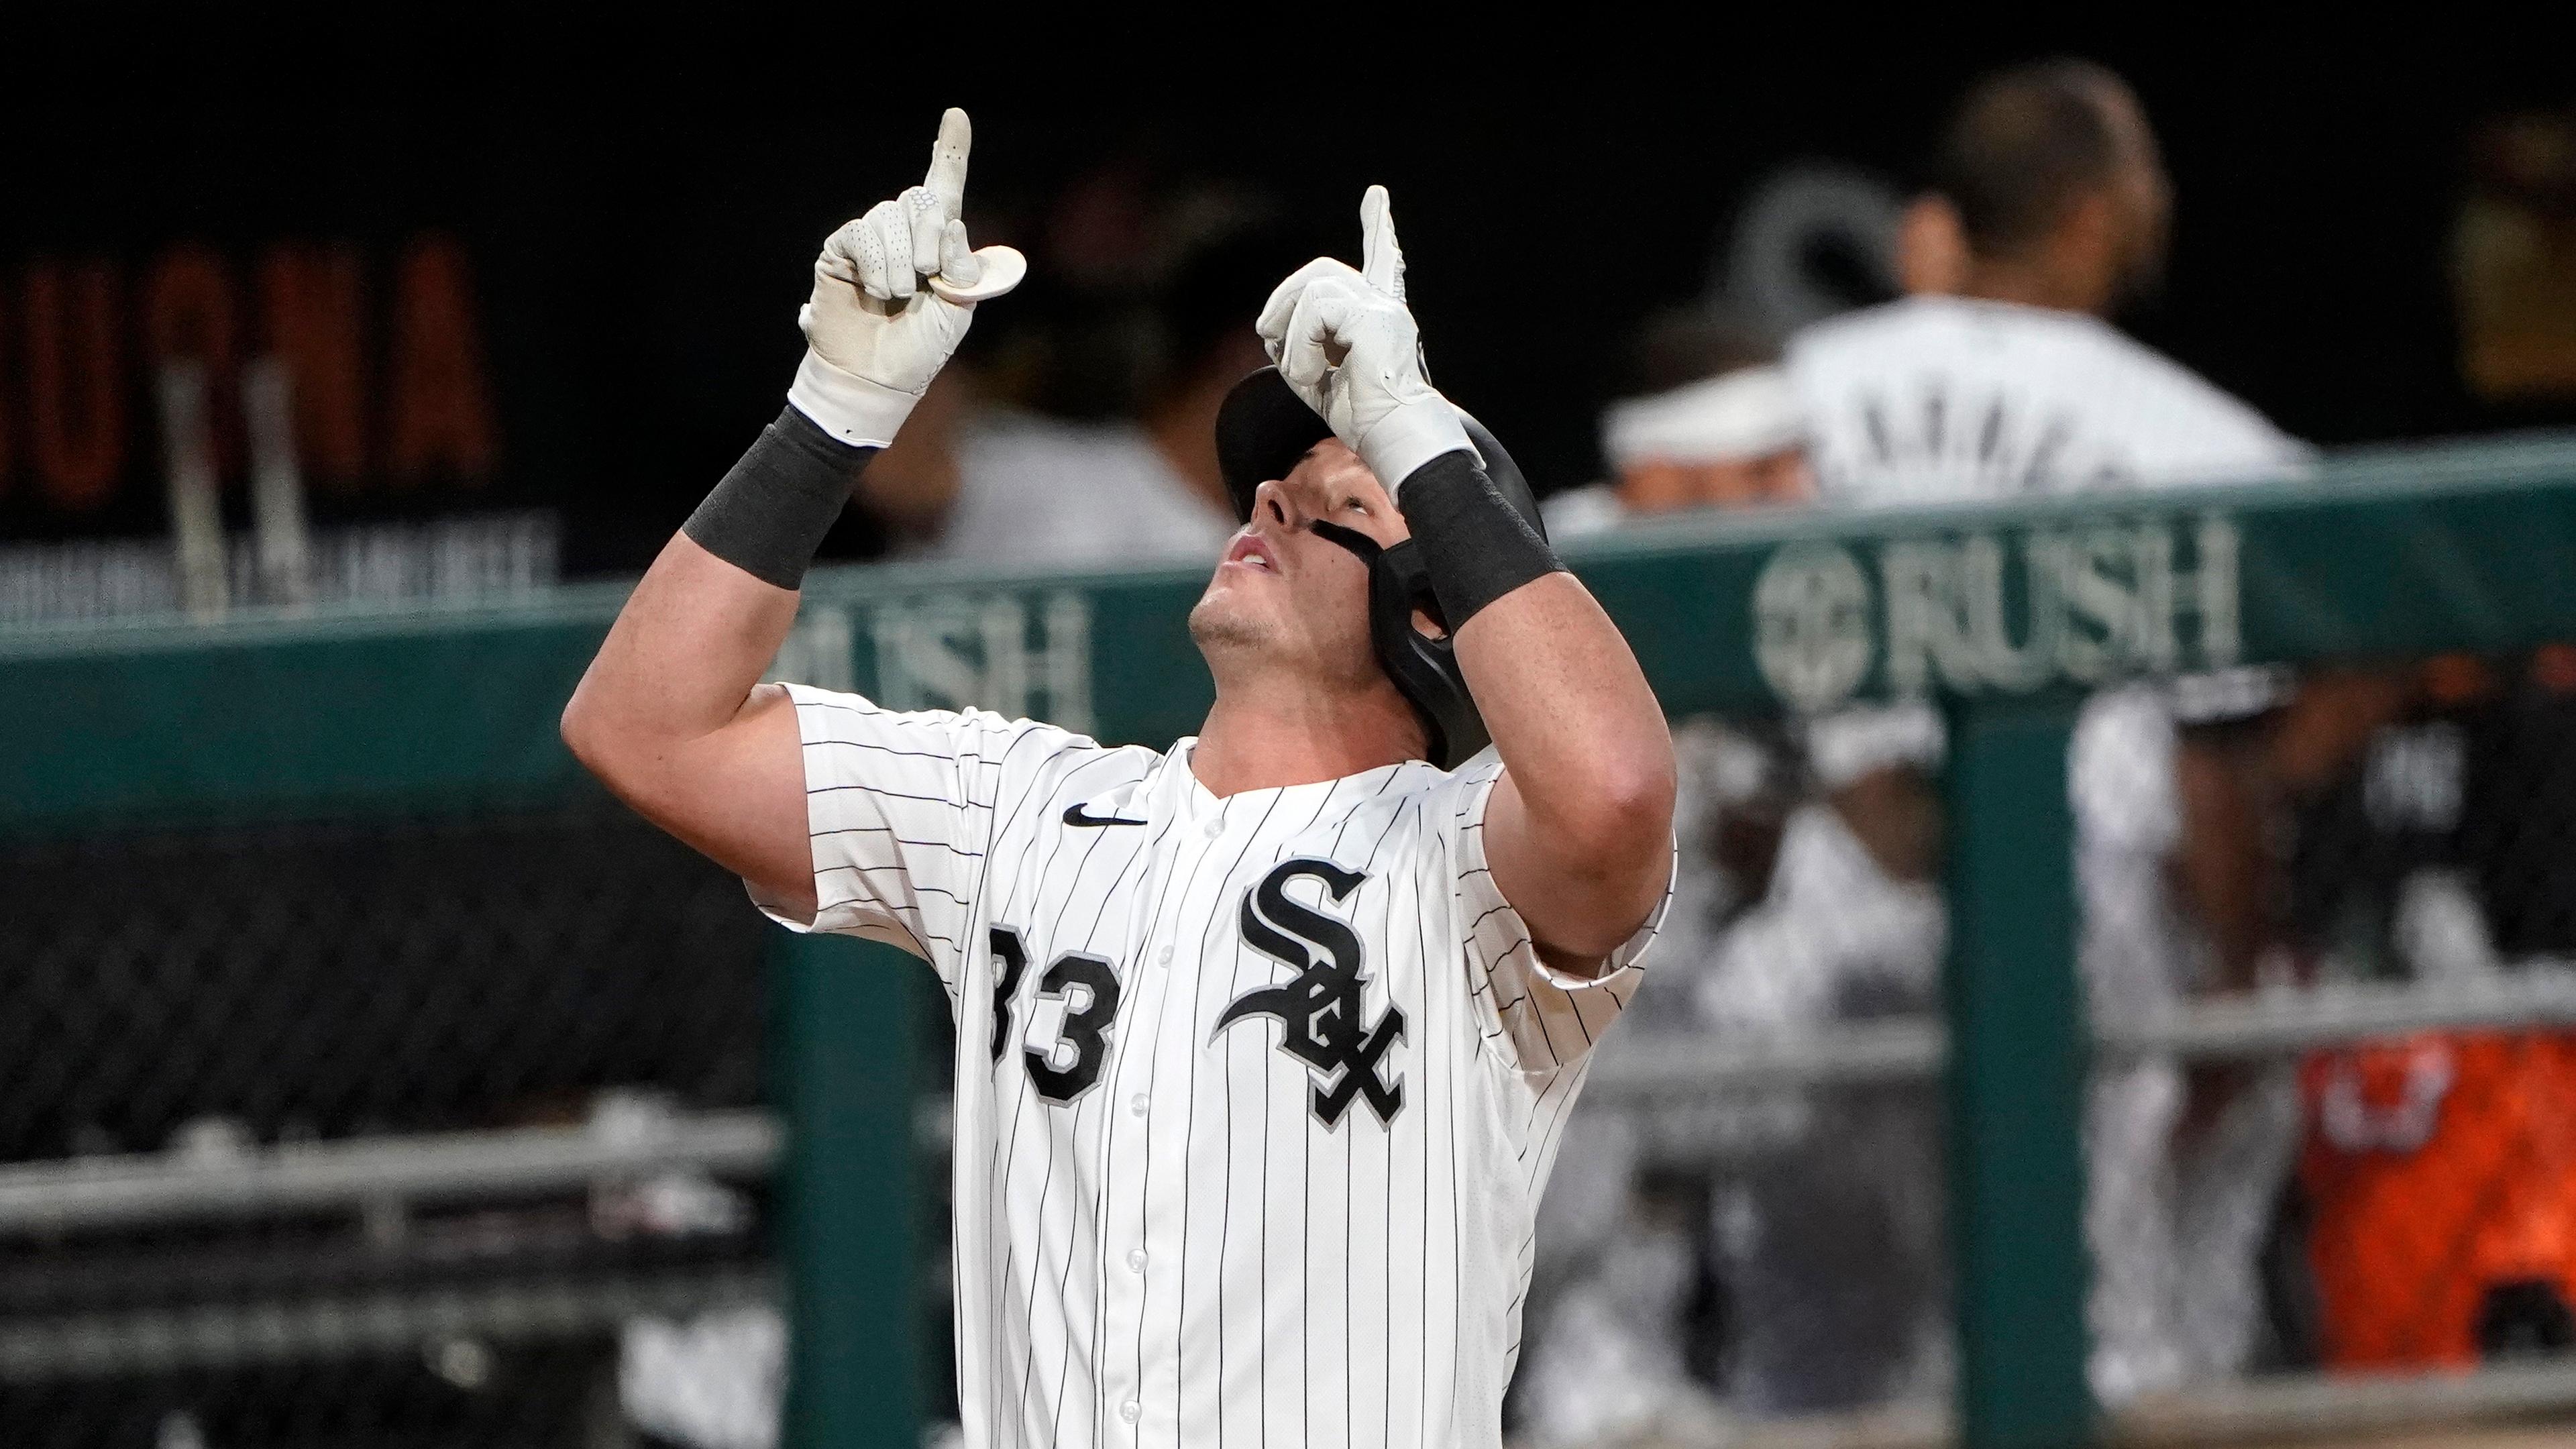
641,204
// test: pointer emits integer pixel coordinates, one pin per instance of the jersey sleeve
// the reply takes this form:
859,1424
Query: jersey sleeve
1541,1019
2191,432
901,810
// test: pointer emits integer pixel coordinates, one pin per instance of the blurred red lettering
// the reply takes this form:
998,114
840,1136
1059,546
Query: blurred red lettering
442,411
316,309
75,417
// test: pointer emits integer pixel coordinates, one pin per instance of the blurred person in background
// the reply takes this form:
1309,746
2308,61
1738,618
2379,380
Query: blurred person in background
988,483
2429,811
2000,372
1711,424
2431,819
2001,375
1830,1242
1807,898
1787,919
1613,1305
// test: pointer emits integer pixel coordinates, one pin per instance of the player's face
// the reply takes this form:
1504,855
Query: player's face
1662,486
1283,592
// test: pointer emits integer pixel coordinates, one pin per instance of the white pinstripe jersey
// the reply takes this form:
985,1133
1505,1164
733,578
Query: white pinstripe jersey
1255,1095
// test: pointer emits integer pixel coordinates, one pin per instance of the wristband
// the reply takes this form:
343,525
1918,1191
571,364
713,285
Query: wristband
1475,546
771,511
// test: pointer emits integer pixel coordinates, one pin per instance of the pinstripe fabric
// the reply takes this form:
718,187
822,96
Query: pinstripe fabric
1196,1235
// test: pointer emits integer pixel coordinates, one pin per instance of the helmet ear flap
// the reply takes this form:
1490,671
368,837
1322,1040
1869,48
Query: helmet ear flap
1424,669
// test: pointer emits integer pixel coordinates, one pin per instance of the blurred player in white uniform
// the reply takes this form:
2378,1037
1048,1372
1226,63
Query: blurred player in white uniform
1712,424
2000,376
1783,924
1265,1042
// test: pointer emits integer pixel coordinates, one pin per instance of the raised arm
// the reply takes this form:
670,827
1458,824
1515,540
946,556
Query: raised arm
1579,828
670,715
1578,831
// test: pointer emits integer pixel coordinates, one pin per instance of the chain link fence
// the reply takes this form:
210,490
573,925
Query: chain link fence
2358,1196
550,1021
2328,920
438,1129
2433,1199
448,1127
1746,1226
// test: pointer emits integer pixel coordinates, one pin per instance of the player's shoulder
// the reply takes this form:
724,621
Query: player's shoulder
1912,327
2182,427
2180,424
1831,338
972,732
1047,750
1396,809
2043,342
1451,799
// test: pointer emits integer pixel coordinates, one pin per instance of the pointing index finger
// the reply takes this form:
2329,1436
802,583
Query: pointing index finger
947,178
1381,260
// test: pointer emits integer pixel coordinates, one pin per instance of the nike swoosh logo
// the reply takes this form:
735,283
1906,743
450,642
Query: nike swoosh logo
1073,816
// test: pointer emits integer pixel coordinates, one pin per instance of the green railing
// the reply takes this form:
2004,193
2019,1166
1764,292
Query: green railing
2004,613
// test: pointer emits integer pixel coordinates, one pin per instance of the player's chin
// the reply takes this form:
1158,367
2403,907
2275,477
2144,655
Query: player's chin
1229,615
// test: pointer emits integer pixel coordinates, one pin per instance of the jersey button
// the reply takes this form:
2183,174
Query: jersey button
1213,829
1165,956
1136,1261
1136,1104
1131,1411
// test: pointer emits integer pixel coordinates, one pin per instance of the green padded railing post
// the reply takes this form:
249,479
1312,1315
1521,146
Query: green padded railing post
845,1031
2016,1080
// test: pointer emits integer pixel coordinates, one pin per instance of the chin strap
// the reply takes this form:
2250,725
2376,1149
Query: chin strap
1357,542
1424,670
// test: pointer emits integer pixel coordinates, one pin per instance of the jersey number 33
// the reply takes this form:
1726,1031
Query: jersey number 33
1320,1009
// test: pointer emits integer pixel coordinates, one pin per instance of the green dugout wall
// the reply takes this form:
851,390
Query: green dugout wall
2006,614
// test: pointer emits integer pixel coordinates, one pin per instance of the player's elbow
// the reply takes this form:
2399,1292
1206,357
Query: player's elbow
1637,852
1611,881
592,733
1612,851
1642,806
579,727
1625,819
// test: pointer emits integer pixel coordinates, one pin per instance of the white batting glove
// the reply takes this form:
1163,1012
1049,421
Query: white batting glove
1345,342
875,331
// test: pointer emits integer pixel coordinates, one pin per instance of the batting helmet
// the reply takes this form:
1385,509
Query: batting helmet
1261,431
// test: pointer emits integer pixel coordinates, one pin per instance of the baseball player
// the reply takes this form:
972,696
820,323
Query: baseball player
2002,376
1265,1041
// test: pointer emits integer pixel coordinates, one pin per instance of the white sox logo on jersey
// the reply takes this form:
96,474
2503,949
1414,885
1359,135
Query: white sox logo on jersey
1321,1008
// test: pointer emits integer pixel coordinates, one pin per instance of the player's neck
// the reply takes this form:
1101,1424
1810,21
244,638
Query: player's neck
1259,740
2033,284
